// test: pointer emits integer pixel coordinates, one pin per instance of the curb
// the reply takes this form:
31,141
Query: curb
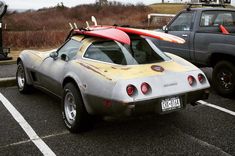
7,62
7,82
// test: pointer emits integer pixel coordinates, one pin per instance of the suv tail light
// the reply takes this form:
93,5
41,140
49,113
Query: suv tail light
191,80
130,89
145,88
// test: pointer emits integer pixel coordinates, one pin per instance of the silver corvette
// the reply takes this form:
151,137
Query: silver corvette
112,71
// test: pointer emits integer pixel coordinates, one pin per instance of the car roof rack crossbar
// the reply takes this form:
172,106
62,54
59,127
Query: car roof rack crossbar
204,4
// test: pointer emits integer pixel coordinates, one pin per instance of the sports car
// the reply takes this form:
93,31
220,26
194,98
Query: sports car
112,71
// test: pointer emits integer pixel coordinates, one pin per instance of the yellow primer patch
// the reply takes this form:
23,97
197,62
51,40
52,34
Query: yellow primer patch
116,72
78,37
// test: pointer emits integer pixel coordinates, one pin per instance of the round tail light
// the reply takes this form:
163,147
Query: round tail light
145,87
130,89
191,80
201,78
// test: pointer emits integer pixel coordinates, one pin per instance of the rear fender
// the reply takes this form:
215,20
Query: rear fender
81,87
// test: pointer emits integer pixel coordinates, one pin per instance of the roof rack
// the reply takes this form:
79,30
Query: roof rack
205,4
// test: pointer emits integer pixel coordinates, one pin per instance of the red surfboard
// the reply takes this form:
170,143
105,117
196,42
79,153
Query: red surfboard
153,34
107,33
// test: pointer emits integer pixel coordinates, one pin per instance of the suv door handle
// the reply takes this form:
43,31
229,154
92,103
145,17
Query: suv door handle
185,35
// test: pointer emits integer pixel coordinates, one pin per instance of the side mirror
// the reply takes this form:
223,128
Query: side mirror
165,28
54,55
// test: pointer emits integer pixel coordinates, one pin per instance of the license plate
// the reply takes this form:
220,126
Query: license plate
171,104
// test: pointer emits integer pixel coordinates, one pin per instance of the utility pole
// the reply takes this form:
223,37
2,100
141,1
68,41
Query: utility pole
3,51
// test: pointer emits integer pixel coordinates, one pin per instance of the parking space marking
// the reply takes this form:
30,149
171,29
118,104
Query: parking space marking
43,137
203,143
41,145
216,107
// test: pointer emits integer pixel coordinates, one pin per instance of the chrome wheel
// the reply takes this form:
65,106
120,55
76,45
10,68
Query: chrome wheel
225,79
70,107
74,113
20,77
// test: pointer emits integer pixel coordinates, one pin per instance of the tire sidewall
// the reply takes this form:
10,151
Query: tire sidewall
81,114
24,88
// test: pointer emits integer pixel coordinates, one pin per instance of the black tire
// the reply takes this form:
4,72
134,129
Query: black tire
77,122
21,80
223,78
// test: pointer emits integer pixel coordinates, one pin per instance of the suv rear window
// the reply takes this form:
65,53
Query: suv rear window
216,18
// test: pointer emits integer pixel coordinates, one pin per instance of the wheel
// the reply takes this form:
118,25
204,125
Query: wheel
74,113
23,87
223,78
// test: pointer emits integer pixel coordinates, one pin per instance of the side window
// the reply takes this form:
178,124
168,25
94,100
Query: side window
106,51
183,22
215,18
70,49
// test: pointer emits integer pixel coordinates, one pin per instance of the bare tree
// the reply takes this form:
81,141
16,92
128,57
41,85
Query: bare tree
102,2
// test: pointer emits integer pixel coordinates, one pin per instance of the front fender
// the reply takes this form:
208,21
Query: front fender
27,63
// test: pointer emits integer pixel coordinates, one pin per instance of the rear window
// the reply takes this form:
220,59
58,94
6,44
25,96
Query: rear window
141,51
106,51
216,18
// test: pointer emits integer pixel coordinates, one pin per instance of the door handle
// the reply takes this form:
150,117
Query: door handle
185,35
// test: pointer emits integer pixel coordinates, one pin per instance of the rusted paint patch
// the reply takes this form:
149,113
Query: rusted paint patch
125,68
88,67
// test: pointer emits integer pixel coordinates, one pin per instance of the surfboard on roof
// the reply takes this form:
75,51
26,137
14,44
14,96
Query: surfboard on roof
120,34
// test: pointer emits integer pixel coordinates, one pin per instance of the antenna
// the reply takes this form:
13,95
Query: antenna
93,19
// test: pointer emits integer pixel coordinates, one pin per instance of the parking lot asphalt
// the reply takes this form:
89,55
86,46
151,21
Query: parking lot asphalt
199,130
7,70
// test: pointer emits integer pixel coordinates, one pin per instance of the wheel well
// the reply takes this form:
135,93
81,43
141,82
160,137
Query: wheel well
216,57
68,80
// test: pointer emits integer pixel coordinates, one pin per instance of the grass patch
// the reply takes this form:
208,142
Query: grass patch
172,8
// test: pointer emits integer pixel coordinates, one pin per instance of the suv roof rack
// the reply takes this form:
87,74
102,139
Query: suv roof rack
205,4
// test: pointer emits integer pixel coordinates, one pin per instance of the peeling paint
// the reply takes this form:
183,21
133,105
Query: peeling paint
88,67
125,68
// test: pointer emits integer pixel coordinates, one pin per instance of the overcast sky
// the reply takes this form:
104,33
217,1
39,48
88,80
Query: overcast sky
36,4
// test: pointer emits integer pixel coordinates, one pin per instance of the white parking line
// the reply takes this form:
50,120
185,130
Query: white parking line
216,107
41,145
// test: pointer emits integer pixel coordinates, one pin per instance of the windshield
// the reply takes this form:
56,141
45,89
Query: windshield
141,51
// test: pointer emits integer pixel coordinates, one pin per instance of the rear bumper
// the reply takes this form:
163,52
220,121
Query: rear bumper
115,108
154,105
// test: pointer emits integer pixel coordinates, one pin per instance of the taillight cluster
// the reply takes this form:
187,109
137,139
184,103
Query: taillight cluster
132,90
192,80
201,78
